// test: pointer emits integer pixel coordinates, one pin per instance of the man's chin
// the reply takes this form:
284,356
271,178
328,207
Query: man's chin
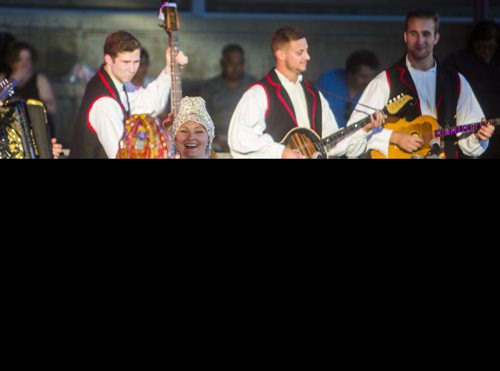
420,56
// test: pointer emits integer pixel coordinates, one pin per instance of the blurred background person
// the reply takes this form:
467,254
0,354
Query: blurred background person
348,83
223,92
21,60
6,39
480,64
141,78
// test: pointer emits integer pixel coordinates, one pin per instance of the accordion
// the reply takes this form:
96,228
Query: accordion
24,130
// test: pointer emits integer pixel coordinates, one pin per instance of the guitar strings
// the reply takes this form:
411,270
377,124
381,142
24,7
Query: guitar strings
326,92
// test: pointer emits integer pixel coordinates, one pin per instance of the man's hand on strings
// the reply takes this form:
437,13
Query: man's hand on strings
292,153
407,142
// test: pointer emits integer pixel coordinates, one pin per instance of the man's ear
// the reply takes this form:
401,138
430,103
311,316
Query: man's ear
437,37
108,59
280,54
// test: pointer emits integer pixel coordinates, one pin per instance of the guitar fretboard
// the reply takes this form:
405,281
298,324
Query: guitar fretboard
336,137
463,128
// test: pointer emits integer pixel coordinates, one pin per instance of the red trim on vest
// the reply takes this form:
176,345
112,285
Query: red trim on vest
282,100
438,105
403,71
112,92
315,102
89,125
440,99
106,85
267,95
388,78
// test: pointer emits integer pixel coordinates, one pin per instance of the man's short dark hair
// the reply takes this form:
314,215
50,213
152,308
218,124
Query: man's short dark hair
284,36
120,42
232,48
423,14
484,31
361,58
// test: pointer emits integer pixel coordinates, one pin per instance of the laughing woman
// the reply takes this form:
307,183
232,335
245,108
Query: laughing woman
193,130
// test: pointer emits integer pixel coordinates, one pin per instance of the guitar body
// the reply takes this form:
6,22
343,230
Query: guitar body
423,127
306,141
310,145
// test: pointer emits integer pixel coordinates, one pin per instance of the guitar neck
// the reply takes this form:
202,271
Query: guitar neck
336,137
464,128
176,93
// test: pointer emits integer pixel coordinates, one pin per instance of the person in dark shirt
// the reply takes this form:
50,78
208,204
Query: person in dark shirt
348,83
223,92
6,39
21,59
480,64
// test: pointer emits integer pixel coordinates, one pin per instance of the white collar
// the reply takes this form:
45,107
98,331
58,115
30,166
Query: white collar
284,80
433,69
119,85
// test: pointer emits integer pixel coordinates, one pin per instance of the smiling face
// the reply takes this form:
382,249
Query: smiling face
293,57
420,38
485,49
124,66
191,140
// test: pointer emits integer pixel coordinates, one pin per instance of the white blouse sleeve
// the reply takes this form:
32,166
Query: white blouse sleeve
246,137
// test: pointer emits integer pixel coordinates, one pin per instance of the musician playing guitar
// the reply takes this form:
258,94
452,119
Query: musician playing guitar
440,93
110,98
282,101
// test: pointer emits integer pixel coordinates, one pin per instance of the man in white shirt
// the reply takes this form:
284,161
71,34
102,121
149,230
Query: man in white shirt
282,101
110,98
438,92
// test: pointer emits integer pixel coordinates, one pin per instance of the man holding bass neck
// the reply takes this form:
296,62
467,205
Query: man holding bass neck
110,98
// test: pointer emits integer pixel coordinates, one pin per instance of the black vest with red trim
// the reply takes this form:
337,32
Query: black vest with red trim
448,88
280,116
85,143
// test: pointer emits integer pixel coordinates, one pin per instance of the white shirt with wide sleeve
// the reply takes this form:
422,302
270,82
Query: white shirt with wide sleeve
377,95
106,116
246,135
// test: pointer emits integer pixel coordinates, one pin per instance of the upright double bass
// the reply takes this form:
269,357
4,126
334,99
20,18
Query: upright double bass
170,21
144,136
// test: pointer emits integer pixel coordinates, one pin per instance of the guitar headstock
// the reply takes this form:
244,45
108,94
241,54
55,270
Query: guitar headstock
7,89
169,16
395,105
494,122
